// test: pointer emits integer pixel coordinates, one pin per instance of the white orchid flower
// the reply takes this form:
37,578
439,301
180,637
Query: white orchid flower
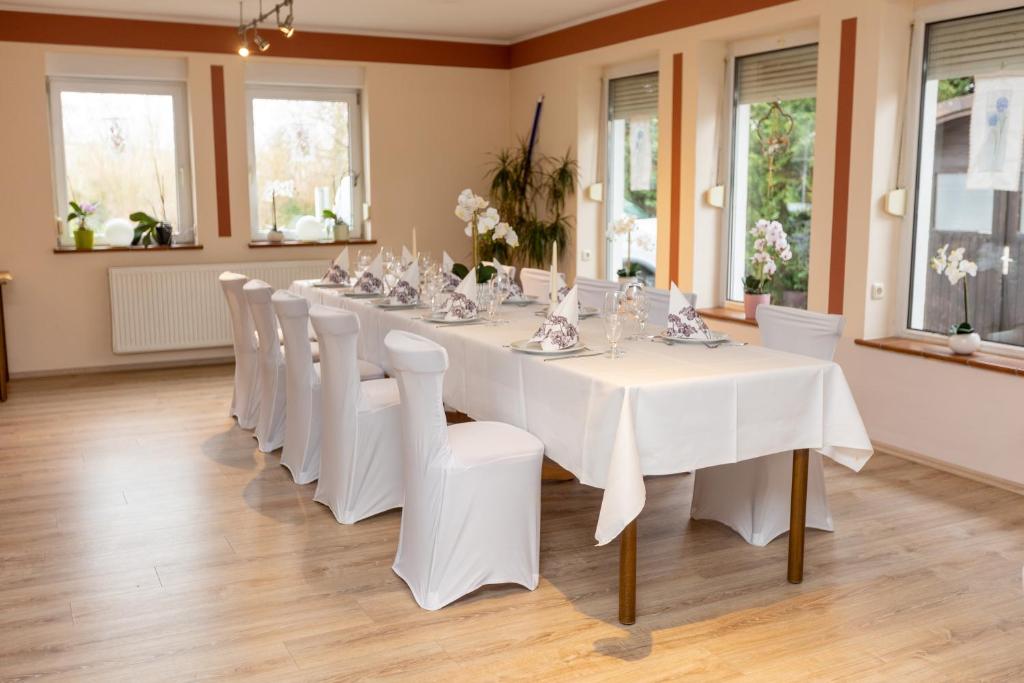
511,238
464,213
501,230
968,267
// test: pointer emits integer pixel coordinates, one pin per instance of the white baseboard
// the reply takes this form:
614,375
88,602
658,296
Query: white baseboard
950,468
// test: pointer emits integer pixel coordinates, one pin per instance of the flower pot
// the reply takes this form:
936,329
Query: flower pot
163,234
275,235
752,301
340,231
83,239
965,344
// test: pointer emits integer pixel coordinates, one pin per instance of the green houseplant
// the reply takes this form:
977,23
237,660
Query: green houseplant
81,212
531,198
149,230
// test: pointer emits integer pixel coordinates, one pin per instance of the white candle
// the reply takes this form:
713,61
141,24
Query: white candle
415,251
554,275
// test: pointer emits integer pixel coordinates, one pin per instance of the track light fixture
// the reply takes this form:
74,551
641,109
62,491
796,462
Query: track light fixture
286,25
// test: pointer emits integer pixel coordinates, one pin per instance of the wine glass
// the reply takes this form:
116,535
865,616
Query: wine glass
363,260
613,317
641,309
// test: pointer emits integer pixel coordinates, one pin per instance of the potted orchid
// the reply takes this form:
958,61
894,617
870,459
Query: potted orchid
626,225
771,245
485,227
963,339
81,212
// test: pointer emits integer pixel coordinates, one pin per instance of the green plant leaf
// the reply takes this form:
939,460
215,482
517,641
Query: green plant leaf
460,270
485,273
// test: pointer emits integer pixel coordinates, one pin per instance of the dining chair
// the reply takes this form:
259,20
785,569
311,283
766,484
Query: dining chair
472,490
269,429
245,397
592,291
361,434
753,496
301,453
536,282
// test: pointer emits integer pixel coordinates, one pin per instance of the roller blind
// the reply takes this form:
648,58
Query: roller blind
633,96
780,75
981,45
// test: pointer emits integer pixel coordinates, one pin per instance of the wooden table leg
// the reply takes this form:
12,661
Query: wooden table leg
5,374
627,574
798,516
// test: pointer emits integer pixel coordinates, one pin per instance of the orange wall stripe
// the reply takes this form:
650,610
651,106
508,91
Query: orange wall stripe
675,179
64,29
220,151
841,187
658,17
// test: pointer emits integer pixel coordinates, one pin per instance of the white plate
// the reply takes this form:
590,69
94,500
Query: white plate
585,312
527,346
331,285
442,321
716,338
386,303
362,295
524,301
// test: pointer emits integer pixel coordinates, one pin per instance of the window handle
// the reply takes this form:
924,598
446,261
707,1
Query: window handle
1005,258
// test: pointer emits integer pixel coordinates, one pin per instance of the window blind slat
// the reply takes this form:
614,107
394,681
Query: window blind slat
981,45
781,75
633,96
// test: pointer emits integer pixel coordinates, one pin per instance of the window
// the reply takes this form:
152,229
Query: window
968,191
305,156
123,144
633,172
772,164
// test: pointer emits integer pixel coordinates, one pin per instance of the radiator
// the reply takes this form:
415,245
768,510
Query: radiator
182,307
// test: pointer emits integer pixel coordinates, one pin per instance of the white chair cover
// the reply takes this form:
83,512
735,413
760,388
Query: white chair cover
301,454
472,490
270,421
245,399
753,496
658,302
592,291
361,446
536,282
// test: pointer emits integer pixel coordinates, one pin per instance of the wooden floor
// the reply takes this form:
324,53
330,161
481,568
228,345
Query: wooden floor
143,537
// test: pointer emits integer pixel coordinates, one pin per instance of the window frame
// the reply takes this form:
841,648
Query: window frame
737,50
635,68
910,161
353,97
185,231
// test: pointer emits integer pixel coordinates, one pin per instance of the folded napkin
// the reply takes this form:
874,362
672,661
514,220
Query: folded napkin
407,290
451,280
338,274
372,281
462,303
407,257
683,318
560,330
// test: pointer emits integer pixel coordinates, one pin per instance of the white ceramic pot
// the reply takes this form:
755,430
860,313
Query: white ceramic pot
965,344
275,236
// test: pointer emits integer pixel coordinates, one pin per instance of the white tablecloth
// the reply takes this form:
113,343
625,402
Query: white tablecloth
658,410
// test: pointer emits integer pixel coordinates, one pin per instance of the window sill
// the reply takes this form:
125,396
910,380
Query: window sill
934,351
726,314
106,249
259,244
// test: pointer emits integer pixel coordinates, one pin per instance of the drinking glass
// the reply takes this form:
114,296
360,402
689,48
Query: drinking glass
641,308
613,317
363,260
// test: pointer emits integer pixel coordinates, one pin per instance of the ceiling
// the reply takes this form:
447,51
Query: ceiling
501,21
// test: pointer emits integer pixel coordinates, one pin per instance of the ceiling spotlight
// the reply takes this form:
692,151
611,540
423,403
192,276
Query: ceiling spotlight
285,26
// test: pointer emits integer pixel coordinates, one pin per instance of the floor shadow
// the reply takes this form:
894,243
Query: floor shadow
234,448
273,494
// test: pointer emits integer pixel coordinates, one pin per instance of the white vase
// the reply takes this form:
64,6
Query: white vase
275,235
965,344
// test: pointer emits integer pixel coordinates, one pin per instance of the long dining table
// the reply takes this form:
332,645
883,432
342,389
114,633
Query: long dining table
659,409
